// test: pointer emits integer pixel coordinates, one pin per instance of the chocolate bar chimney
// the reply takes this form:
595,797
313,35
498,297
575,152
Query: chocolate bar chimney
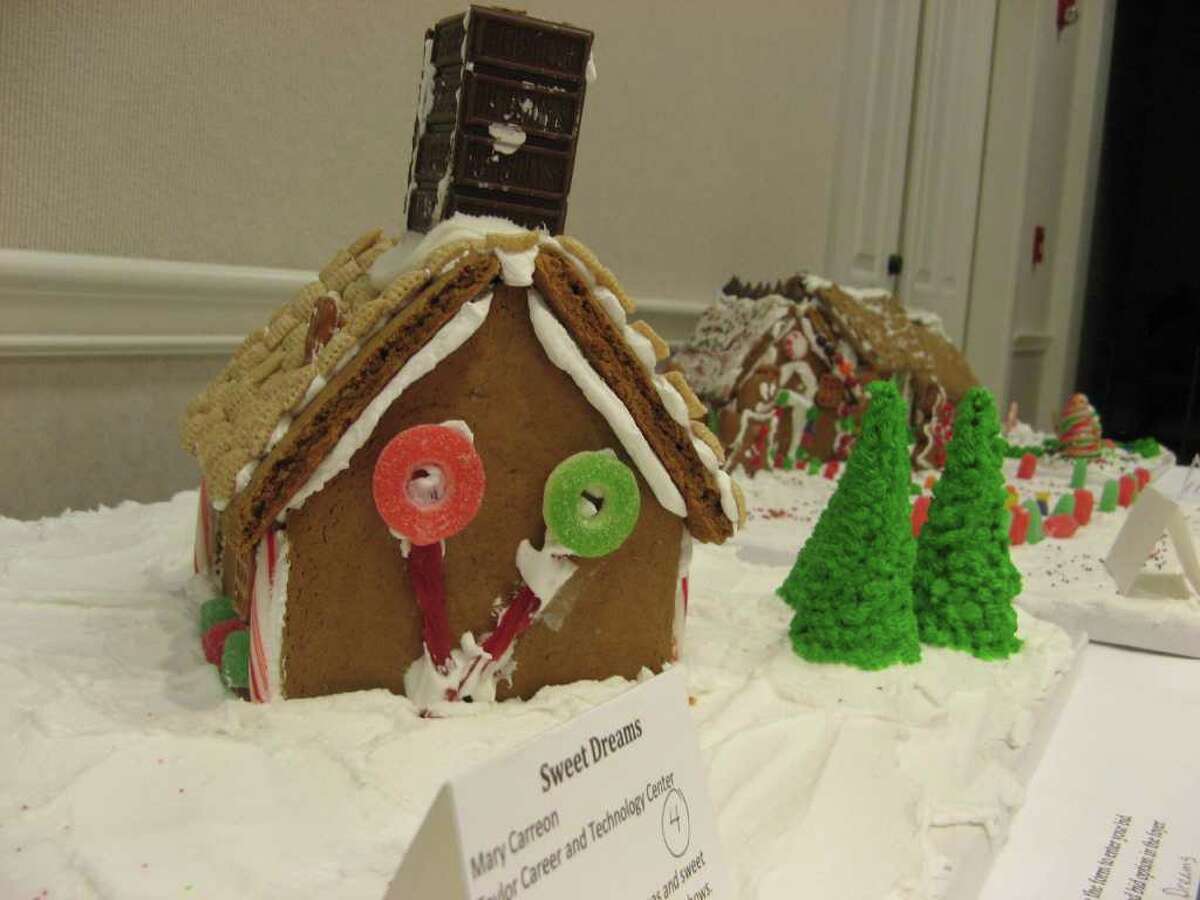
497,119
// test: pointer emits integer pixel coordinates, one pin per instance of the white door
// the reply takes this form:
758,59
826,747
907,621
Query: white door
867,199
946,158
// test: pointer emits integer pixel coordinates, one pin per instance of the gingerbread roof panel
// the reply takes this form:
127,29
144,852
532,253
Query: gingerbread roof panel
275,424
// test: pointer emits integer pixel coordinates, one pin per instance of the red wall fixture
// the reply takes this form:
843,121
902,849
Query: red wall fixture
1068,12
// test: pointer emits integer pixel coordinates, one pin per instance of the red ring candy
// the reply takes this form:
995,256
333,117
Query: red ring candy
428,483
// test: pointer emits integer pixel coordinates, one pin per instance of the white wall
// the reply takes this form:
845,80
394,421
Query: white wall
271,133
1073,235
1045,113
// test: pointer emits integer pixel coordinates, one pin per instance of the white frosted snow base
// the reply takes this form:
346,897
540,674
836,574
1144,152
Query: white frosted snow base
1066,581
126,771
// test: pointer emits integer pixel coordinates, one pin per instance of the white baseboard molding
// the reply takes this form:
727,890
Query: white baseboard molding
65,304
43,345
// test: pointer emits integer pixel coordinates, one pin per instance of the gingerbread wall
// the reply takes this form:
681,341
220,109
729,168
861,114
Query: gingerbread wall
352,622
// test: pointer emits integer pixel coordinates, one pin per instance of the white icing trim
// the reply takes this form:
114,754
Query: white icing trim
443,185
315,387
470,672
453,335
424,108
507,138
280,429
612,305
460,426
413,249
516,269
724,482
564,353
241,479
672,400
584,272
864,293
545,571
642,348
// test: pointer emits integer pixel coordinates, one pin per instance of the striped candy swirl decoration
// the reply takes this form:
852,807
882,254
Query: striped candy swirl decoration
1079,428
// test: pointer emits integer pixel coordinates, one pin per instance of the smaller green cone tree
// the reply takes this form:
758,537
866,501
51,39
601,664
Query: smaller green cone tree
851,585
964,582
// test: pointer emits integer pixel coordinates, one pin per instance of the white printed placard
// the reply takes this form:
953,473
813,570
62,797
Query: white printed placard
1181,483
612,804
1150,517
1142,856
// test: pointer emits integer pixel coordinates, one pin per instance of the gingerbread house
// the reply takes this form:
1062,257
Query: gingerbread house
410,475
783,367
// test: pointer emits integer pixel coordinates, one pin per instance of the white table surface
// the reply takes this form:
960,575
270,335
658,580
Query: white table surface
1127,743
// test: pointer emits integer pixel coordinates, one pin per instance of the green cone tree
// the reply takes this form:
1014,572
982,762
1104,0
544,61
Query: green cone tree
851,585
964,582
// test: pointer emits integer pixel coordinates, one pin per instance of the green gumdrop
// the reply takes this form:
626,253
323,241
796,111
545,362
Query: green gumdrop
569,504
913,489
1108,499
235,660
1035,534
218,609
814,467
1065,505
1079,474
784,398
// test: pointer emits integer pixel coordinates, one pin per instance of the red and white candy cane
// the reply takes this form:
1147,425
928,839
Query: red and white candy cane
428,485
516,616
261,595
202,551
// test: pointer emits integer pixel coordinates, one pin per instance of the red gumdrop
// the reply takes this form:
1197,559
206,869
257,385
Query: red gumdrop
1085,502
1125,489
428,483
1062,526
831,469
920,513
1019,526
1143,477
213,640
1028,466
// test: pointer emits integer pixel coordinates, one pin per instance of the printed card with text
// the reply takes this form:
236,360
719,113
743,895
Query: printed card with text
613,804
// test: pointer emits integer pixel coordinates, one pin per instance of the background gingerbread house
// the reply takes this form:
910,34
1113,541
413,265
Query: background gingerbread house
782,367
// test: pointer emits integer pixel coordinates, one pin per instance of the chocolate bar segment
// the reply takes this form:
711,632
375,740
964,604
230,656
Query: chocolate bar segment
498,119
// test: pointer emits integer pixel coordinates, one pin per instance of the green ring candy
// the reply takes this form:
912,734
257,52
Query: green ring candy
600,475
